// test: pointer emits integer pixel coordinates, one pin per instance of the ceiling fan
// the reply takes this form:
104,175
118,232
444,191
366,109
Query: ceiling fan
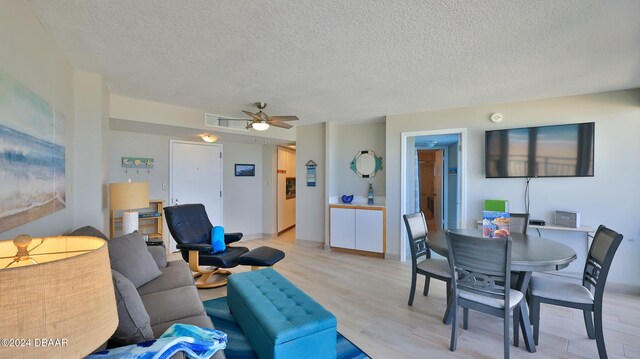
261,121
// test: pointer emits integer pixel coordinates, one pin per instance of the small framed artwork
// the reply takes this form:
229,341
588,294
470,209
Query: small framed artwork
245,170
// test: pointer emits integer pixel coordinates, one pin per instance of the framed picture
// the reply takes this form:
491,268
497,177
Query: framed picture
245,170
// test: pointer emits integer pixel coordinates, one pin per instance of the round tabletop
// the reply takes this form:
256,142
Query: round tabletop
528,253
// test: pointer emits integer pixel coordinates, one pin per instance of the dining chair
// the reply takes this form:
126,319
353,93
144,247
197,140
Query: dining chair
481,281
519,222
421,261
586,296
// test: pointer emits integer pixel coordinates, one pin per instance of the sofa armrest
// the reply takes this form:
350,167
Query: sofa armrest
200,247
232,237
159,254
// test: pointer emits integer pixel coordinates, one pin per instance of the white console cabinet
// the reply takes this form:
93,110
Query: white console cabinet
358,229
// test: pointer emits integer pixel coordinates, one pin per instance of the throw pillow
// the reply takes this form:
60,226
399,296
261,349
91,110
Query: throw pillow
129,256
217,239
134,325
88,231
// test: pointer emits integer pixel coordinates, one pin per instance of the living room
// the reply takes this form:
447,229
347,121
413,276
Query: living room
113,107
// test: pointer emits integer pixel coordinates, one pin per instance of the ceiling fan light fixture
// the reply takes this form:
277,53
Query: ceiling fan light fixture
260,126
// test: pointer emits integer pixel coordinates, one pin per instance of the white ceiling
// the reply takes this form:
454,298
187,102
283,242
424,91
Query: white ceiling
350,61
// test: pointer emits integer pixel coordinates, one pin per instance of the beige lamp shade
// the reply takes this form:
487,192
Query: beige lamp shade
56,297
128,195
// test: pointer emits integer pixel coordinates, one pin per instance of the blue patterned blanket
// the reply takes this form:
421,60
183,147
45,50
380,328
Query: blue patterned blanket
195,342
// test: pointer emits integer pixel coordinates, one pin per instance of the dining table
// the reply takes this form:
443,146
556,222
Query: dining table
528,254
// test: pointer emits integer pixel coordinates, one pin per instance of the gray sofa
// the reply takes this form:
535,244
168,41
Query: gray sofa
173,297
145,311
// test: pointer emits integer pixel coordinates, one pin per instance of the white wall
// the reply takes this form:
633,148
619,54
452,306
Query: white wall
269,192
29,55
91,123
311,202
611,197
350,140
242,196
127,108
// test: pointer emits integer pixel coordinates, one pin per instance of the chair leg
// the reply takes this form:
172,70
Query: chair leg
203,281
505,339
412,292
447,314
588,322
534,317
597,316
427,281
454,326
516,326
465,319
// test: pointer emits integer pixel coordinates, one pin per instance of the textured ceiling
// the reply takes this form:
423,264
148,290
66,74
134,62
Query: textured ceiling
349,61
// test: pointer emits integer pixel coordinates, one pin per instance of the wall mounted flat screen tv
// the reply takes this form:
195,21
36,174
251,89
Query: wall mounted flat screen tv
546,151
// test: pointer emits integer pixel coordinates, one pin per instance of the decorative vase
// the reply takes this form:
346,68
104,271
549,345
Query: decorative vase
347,198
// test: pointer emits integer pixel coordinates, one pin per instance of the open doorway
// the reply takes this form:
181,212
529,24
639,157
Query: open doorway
433,179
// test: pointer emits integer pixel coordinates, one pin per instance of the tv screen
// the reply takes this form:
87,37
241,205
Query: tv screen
546,151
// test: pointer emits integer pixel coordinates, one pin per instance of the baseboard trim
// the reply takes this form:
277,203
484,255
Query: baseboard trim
391,256
308,243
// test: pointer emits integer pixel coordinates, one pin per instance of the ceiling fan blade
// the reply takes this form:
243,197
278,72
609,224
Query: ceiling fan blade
284,118
253,115
275,123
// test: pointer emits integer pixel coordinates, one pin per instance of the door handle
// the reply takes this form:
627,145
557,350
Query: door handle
175,202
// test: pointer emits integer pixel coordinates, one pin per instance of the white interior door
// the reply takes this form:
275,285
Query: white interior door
196,177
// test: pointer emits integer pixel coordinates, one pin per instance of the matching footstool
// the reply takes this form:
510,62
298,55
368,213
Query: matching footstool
279,319
261,257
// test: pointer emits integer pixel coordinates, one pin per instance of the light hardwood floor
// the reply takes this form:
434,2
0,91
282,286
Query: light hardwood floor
369,298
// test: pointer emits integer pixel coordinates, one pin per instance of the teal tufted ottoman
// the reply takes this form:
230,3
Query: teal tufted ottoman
279,319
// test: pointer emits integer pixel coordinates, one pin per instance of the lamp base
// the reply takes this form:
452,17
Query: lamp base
129,222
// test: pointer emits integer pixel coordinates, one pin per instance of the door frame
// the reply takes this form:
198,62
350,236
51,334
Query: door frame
462,178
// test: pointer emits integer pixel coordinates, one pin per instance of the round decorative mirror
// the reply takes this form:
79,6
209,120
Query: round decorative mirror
365,164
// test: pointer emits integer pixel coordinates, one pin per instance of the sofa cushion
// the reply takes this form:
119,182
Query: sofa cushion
134,325
173,304
129,256
88,231
175,274
159,254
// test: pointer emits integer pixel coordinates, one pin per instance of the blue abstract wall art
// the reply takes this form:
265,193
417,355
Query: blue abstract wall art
32,155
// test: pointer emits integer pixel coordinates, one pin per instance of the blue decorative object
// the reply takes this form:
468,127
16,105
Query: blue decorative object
217,239
194,342
347,199
238,346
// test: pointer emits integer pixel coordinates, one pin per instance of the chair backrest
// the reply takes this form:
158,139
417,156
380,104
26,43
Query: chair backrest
596,269
417,231
482,266
188,223
518,222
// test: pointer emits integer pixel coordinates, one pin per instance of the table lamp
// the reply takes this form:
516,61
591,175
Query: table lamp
56,297
128,196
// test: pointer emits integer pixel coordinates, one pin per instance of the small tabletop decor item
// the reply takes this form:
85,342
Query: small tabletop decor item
347,198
